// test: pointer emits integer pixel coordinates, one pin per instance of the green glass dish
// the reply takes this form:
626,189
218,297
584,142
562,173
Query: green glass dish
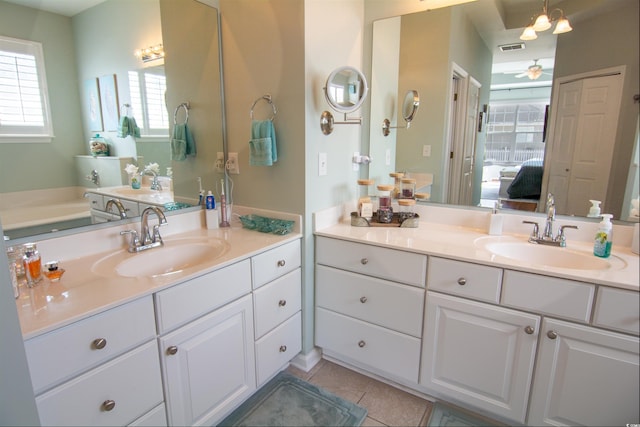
266,225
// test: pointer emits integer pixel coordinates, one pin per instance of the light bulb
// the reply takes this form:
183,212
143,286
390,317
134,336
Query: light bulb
542,23
529,34
562,26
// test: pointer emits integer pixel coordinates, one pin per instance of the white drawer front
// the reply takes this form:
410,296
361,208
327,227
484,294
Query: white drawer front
181,303
157,417
276,302
278,347
464,279
548,295
96,201
274,263
132,381
131,208
618,309
374,347
399,266
57,356
391,305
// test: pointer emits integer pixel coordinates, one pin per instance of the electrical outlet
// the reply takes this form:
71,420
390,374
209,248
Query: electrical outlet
233,166
322,164
220,162
426,151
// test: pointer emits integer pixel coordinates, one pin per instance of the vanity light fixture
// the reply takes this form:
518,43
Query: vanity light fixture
150,53
544,21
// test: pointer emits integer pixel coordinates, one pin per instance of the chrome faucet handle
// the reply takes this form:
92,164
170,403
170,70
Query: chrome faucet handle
135,240
157,238
561,236
535,233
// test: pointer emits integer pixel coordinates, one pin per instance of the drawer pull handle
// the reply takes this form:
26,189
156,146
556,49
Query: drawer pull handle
281,263
363,299
364,261
529,330
282,302
552,335
172,350
108,405
283,348
99,343
462,281
361,344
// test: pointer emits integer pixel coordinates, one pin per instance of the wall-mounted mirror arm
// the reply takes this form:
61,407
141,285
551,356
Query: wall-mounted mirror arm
327,121
409,109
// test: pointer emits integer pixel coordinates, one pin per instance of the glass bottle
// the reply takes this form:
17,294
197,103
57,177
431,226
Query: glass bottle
407,188
385,212
32,264
397,177
364,192
12,256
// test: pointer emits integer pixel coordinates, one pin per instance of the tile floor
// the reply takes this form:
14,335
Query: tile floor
386,405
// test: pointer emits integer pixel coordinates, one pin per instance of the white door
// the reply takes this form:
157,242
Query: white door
581,141
585,376
209,365
479,355
469,143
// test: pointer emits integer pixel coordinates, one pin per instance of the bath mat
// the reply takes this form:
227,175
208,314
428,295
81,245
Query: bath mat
445,416
289,401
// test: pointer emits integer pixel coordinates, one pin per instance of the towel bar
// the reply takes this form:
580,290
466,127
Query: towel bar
186,107
267,98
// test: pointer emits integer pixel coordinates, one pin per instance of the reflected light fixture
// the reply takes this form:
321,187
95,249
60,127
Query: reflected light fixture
544,21
150,53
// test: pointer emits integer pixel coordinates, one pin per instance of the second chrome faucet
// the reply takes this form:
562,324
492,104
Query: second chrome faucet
547,237
147,239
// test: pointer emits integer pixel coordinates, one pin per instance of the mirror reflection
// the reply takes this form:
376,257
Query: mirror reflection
493,114
346,89
95,80
409,109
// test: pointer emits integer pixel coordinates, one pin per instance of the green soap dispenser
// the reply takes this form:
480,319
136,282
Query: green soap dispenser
603,240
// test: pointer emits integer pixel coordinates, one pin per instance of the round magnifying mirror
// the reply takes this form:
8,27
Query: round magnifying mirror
346,89
410,106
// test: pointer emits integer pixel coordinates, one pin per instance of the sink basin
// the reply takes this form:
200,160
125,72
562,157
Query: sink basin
176,256
550,256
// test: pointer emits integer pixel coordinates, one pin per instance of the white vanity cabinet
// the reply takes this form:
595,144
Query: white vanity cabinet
362,317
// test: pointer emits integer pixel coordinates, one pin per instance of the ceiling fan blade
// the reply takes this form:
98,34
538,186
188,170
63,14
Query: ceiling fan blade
524,74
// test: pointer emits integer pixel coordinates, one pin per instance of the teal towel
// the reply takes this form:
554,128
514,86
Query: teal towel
182,143
128,126
262,147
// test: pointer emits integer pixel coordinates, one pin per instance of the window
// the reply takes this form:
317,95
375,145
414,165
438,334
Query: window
24,100
147,89
515,132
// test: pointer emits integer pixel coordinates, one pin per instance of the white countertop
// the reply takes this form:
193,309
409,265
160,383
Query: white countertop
82,293
461,243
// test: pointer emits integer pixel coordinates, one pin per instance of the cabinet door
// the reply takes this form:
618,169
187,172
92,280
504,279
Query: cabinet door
479,355
585,376
209,365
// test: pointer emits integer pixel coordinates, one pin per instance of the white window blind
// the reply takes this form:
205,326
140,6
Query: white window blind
148,103
24,103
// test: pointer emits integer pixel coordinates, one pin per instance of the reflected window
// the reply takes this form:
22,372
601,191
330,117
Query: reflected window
147,91
24,98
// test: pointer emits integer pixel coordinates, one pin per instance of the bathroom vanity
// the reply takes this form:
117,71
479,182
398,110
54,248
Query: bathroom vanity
177,343
434,310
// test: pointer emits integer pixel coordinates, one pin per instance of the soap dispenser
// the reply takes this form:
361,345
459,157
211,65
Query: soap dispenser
495,220
603,239
594,211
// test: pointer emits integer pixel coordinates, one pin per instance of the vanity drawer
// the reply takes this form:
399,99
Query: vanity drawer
548,295
399,266
157,417
276,302
391,305
58,355
278,347
132,381
131,208
618,309
181,303
361,343
96,201
274,263
464,279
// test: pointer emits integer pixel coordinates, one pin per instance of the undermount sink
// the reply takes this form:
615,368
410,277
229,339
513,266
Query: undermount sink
174,257
550,256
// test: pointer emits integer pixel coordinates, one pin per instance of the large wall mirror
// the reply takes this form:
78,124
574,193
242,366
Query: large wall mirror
84,46
508,97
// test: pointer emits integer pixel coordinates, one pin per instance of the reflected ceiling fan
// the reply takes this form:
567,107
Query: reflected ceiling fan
533,72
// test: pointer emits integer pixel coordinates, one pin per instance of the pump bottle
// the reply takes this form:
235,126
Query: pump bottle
603,239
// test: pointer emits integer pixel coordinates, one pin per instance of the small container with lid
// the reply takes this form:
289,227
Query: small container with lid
407,188
385,212
397,178
98,146
32,264
364,192
406,209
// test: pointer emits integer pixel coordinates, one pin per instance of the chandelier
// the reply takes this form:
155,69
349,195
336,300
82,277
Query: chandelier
544,21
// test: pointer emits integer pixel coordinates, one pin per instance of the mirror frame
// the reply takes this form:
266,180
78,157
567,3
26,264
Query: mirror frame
363,95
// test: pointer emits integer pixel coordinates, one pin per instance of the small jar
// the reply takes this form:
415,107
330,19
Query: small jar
406,209
397,177
423,197
407,188
364,192
32,264
384,212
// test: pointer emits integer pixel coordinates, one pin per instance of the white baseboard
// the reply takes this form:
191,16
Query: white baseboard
306,362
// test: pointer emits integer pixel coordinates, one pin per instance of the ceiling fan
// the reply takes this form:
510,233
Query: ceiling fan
533,72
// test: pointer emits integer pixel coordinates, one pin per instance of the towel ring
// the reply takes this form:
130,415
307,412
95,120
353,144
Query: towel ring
267,98
184,105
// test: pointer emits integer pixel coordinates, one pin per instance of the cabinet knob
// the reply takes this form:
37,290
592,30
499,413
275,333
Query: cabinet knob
364,261
172,350
363,299
282,302
283,348
361,344
552,335
108,405
99,343
281,263
529,330
462,281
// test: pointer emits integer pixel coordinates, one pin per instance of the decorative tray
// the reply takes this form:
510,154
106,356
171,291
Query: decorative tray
358,221
267,225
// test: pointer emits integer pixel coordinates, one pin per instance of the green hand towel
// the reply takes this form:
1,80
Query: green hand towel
262,146
182,143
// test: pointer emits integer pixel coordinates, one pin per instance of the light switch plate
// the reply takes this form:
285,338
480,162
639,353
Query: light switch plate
322,164
232,164
220,162
426,151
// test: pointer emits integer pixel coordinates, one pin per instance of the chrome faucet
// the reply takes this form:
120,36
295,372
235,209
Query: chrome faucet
551,217
118,204
94,177
547,237
155,184
146,240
